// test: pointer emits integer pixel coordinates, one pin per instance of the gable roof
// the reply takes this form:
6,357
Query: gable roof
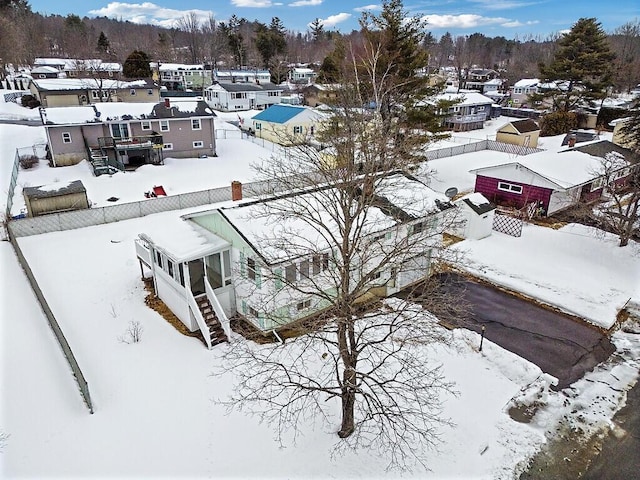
466,98
402,198
246,86
61,84
54,190
114,111
526,82
547,169
280,113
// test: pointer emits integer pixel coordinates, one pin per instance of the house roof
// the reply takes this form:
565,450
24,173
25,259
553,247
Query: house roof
524,126
603,147
54,189
466,98
45,69
58,84
547,169
581,136
526,82
478,203
114,111
280,113
247,87
399,199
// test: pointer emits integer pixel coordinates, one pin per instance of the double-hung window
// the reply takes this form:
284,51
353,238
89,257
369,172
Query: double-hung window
510,187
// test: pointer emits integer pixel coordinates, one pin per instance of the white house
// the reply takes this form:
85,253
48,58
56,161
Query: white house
469,112
180,75
214,265
302,75
522,89
242,76
234,96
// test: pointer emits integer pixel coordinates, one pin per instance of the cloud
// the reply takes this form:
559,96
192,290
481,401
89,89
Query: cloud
333,20
253,3
518,23
147,12
466,20
504,4
306,3
368,8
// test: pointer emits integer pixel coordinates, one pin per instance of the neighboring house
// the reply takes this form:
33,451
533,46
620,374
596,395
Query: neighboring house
71,67
551,180
286,124
475,217
301,76
118,135
579,136
522,89
45,72
216,261
319,94
519,132
180,76
72,92
230,97
469,112
478,79
618,138
242,76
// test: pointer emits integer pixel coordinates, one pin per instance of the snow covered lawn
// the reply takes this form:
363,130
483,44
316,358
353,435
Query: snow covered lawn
578,269
153,400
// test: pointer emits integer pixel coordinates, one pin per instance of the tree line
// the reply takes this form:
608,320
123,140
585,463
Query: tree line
25,35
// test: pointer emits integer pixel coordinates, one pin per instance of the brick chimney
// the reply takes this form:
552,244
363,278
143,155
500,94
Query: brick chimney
167,103
236,191
572,141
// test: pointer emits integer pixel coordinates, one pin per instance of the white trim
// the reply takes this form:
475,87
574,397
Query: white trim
164,125
510,187
66,137
145,125
167,146
198,144
193,124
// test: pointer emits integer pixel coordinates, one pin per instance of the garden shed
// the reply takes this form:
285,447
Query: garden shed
57,197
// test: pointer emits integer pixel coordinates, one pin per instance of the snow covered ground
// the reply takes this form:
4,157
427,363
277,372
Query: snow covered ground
153,400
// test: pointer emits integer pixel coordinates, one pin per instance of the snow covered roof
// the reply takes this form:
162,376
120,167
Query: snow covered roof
526,82
182,239
466,98
45,69
179,66
52,84
548,169
477,202
112,111
79,64
400,199
54,189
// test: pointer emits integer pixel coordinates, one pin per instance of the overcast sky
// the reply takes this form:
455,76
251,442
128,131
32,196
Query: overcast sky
509,18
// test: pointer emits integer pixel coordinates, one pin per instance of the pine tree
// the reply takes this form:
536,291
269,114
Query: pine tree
103,43
581,69
631,129
137,65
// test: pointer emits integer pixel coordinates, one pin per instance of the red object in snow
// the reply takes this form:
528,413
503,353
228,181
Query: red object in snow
159,190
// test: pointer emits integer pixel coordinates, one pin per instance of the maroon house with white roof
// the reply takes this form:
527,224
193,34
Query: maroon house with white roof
553,180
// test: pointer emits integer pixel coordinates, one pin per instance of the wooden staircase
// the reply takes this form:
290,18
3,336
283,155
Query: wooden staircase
216,333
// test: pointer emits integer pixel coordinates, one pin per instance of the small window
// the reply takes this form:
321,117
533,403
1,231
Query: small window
145,125
297,129
195,124
132,92
252,311
509,187
304,269
305,304
258,126
66,137
95,94
251,268
164,125
149,91
167,146
198,144
290,273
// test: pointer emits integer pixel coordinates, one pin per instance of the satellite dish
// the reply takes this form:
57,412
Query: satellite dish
451,192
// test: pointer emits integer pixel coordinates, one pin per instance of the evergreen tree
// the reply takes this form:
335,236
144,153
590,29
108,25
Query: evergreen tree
137,65
103,43
317,30
271,41
581,69
631,129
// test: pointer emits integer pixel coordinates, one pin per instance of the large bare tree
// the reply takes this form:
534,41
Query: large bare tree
354,226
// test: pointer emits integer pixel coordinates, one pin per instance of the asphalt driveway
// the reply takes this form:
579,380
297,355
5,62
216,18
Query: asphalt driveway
559,344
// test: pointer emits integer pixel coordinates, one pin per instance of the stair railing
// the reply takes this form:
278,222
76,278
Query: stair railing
217,308
197,314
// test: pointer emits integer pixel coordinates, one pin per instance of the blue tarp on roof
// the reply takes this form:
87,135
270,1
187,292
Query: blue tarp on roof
278,113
